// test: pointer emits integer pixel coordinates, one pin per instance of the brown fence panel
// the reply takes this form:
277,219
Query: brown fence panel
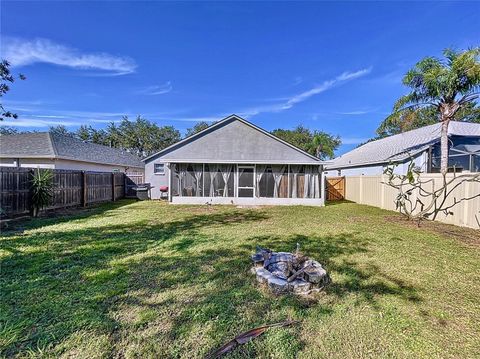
99,187
14,191
67,188
119,187
70,188
132,179
335,188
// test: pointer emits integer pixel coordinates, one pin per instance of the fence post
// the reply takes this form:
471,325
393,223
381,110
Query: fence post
84,188
113,186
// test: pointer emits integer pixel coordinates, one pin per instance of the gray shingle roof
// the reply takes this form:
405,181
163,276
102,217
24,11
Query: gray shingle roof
402,146
47,145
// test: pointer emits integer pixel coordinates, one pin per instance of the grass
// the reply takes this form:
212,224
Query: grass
145,279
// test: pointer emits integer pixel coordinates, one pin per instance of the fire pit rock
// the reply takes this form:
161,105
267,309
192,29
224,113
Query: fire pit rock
285,272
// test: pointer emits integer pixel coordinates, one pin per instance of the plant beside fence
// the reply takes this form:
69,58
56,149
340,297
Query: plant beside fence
68,189
373,191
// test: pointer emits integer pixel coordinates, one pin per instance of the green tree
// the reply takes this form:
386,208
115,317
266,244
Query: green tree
300,137
199,126
447,87
6,78
317,143
324,145
84,133
144,138
114,136
60,130
411,119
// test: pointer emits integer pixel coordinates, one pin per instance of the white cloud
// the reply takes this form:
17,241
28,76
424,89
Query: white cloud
156,89
22,52
326,85
34,122
303,96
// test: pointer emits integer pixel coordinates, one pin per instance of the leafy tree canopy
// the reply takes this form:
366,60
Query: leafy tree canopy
6,78
411,119
317,143
445,89
199,126
141,136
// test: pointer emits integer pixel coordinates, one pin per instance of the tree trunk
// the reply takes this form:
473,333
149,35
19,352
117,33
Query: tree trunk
444,145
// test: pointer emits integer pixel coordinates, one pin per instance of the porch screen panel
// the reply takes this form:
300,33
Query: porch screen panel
297,181
261,181
175,176
246,181
187,180
227,172
311,188
266,183
219,180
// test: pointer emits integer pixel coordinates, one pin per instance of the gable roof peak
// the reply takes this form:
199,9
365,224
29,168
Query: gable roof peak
230,119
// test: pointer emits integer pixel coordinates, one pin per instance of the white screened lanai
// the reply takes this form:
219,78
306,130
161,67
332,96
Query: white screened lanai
235,162
245,180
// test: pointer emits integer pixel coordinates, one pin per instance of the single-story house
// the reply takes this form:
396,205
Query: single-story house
421,145
55,151
235,162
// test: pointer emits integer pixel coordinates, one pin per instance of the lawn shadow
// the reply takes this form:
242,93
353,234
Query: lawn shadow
79,276
168,282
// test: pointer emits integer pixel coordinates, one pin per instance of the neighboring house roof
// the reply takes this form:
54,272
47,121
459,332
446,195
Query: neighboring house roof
48,145
234,140
402,146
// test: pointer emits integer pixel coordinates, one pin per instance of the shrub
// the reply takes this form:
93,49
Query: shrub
42,190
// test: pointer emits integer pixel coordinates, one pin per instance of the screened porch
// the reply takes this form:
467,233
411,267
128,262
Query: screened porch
245,181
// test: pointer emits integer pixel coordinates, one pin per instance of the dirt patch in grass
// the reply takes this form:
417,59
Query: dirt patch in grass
465,235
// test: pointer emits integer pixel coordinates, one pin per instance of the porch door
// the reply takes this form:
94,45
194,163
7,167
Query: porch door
245,181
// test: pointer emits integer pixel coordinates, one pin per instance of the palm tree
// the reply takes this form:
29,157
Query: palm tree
448,85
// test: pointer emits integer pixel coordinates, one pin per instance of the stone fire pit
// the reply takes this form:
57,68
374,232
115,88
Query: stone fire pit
285,272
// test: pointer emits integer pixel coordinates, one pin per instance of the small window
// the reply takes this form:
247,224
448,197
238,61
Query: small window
159,168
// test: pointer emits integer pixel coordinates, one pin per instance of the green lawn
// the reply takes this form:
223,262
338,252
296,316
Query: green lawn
145,279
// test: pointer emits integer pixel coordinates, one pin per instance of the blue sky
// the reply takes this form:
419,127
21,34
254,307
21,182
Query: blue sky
331,66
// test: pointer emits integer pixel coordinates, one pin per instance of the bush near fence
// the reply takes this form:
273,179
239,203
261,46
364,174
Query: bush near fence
373,191
70,188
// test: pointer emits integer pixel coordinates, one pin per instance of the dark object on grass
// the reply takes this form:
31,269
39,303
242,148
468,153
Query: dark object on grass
246,337
143,191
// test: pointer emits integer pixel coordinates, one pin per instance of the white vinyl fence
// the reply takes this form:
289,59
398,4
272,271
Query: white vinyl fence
371,191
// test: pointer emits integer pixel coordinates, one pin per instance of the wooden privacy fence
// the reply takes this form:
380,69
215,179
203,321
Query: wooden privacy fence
132,179
70,188
372,191
335,188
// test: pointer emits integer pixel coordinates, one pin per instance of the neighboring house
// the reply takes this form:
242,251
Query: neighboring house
421,145
47,150
235,162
